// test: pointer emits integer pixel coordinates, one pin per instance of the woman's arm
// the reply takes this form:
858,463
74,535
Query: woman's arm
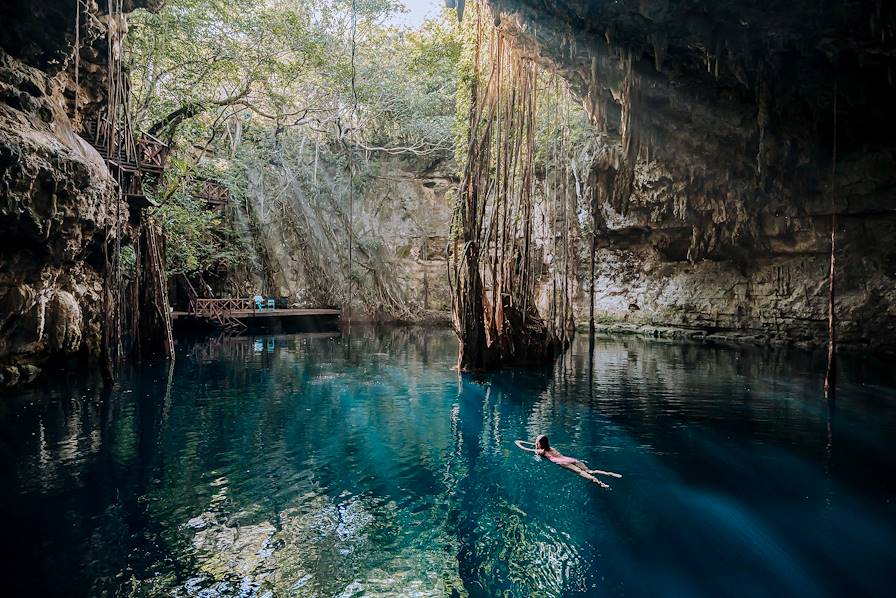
520,444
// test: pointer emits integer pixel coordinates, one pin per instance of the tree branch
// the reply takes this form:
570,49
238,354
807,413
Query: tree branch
191,109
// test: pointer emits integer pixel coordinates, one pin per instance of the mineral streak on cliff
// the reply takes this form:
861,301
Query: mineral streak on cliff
57,197
714,177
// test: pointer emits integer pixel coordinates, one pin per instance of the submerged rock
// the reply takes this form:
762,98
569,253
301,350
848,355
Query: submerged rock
13,375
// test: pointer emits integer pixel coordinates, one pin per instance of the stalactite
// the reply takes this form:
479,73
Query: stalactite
763,120
631,138
660,43
718,57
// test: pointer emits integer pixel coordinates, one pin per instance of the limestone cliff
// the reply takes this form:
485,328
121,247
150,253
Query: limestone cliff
298,219
58,201
714,181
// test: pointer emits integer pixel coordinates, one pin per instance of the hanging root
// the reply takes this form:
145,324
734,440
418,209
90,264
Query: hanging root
493,307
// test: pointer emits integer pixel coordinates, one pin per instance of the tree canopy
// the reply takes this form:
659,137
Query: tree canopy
225,82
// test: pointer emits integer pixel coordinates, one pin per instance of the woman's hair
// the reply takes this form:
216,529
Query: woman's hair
542,442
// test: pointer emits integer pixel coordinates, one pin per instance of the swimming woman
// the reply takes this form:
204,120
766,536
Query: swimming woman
544,449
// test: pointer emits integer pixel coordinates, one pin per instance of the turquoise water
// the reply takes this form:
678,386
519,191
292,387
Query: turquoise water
311,466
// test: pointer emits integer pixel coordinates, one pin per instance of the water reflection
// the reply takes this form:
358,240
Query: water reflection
287,466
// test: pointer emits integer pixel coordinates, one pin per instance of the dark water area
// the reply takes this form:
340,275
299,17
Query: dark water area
308,465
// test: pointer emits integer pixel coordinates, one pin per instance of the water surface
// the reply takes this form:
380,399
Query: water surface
308,465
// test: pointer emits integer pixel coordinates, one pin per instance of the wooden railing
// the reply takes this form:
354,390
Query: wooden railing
217,307
211,191
145,153
152,153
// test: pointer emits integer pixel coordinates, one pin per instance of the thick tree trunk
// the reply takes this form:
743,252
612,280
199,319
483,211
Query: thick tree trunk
473,347
155,336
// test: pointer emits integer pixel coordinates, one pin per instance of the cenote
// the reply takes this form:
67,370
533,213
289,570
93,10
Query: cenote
284,282
364,465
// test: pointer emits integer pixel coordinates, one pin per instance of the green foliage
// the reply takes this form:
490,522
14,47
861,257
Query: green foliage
224,53
231,83
288,63
196,239
128,260
408,85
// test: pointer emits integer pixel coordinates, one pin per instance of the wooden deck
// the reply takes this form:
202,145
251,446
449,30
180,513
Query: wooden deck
242,313
267,313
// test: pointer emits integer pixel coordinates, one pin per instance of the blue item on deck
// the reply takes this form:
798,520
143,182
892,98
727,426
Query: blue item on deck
259,302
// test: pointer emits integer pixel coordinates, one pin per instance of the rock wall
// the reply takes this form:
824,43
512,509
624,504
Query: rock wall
718,123
779,293
412,209
401,219
58,202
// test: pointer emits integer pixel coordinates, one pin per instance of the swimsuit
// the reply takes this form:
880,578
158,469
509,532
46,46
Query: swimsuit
561,460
